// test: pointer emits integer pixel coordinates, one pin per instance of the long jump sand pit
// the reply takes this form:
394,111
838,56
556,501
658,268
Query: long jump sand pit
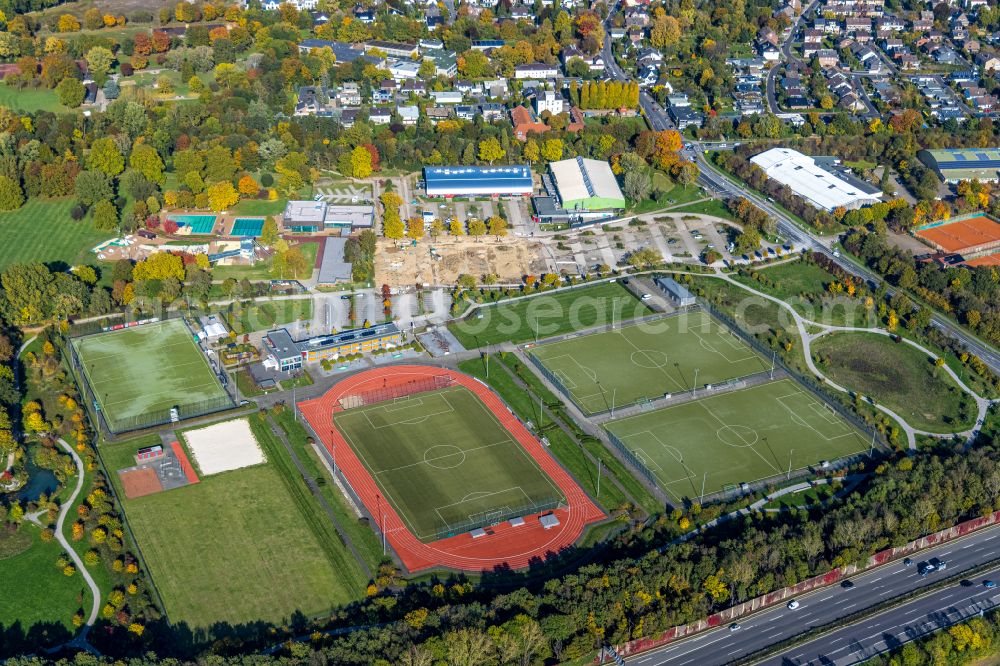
223,447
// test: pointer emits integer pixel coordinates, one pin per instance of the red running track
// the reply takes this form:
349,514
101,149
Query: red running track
503,545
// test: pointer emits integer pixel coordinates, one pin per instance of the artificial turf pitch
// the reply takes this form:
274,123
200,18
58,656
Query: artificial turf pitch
735,437
135,371
444,462
648,360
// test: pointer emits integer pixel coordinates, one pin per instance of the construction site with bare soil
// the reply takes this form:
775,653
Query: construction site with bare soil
442,260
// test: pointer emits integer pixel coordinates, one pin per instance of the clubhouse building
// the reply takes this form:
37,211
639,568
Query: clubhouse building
284,353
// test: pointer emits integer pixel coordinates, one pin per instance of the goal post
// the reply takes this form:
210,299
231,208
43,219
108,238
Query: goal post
361,398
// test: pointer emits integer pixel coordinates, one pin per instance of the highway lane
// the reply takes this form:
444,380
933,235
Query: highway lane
861,639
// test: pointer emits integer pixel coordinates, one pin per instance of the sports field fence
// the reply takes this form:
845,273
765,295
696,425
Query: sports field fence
377,395
808,383
117,320
495,517
634,460
149,419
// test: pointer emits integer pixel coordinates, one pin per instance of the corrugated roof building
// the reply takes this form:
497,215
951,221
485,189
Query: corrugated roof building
587,184
819,186
954,164
457,181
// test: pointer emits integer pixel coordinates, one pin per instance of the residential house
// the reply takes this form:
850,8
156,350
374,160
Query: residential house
413,87
988,62
349,94
437,113
491,111
524,123
404,69
409,114
827,58
379,116
447,96
394,49
536,70
550,101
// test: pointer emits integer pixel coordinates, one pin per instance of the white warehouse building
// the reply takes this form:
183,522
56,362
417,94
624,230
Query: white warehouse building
822,186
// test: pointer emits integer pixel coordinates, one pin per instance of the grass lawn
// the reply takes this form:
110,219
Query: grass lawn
444,461
676,194
548,314
260,207
40,593
802,285
151,368
266,314
712,207
240,546
31,99
262,269
42,230
810,497
648,360
897,375
741,436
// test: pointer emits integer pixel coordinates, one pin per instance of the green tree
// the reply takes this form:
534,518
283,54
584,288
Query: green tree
99,62
552,150
105,157
105,216
269,234
361,162
146,161
490,150
70,92
11,196
222,195
477,228
92,186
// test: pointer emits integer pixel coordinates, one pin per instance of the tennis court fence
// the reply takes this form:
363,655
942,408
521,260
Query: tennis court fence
391,392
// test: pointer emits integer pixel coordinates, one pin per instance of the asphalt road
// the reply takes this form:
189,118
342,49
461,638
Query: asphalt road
860,640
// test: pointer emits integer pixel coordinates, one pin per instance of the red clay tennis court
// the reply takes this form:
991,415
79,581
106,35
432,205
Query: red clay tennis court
963,236
501,545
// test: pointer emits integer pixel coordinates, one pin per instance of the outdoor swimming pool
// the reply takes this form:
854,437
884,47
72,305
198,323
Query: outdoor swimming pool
199,224
248,226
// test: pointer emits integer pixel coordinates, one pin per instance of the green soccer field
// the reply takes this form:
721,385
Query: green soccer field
444,462
136,371
735,437
648,360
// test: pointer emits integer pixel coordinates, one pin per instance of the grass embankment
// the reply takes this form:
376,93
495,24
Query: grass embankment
548,314
903,378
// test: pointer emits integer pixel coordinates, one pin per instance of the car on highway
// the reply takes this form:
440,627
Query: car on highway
925,568
645,297
847,584
938,564
734,626
793,604
907,562
989,584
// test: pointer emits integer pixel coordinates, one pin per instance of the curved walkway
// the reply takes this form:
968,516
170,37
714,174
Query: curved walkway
801,323
61,538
